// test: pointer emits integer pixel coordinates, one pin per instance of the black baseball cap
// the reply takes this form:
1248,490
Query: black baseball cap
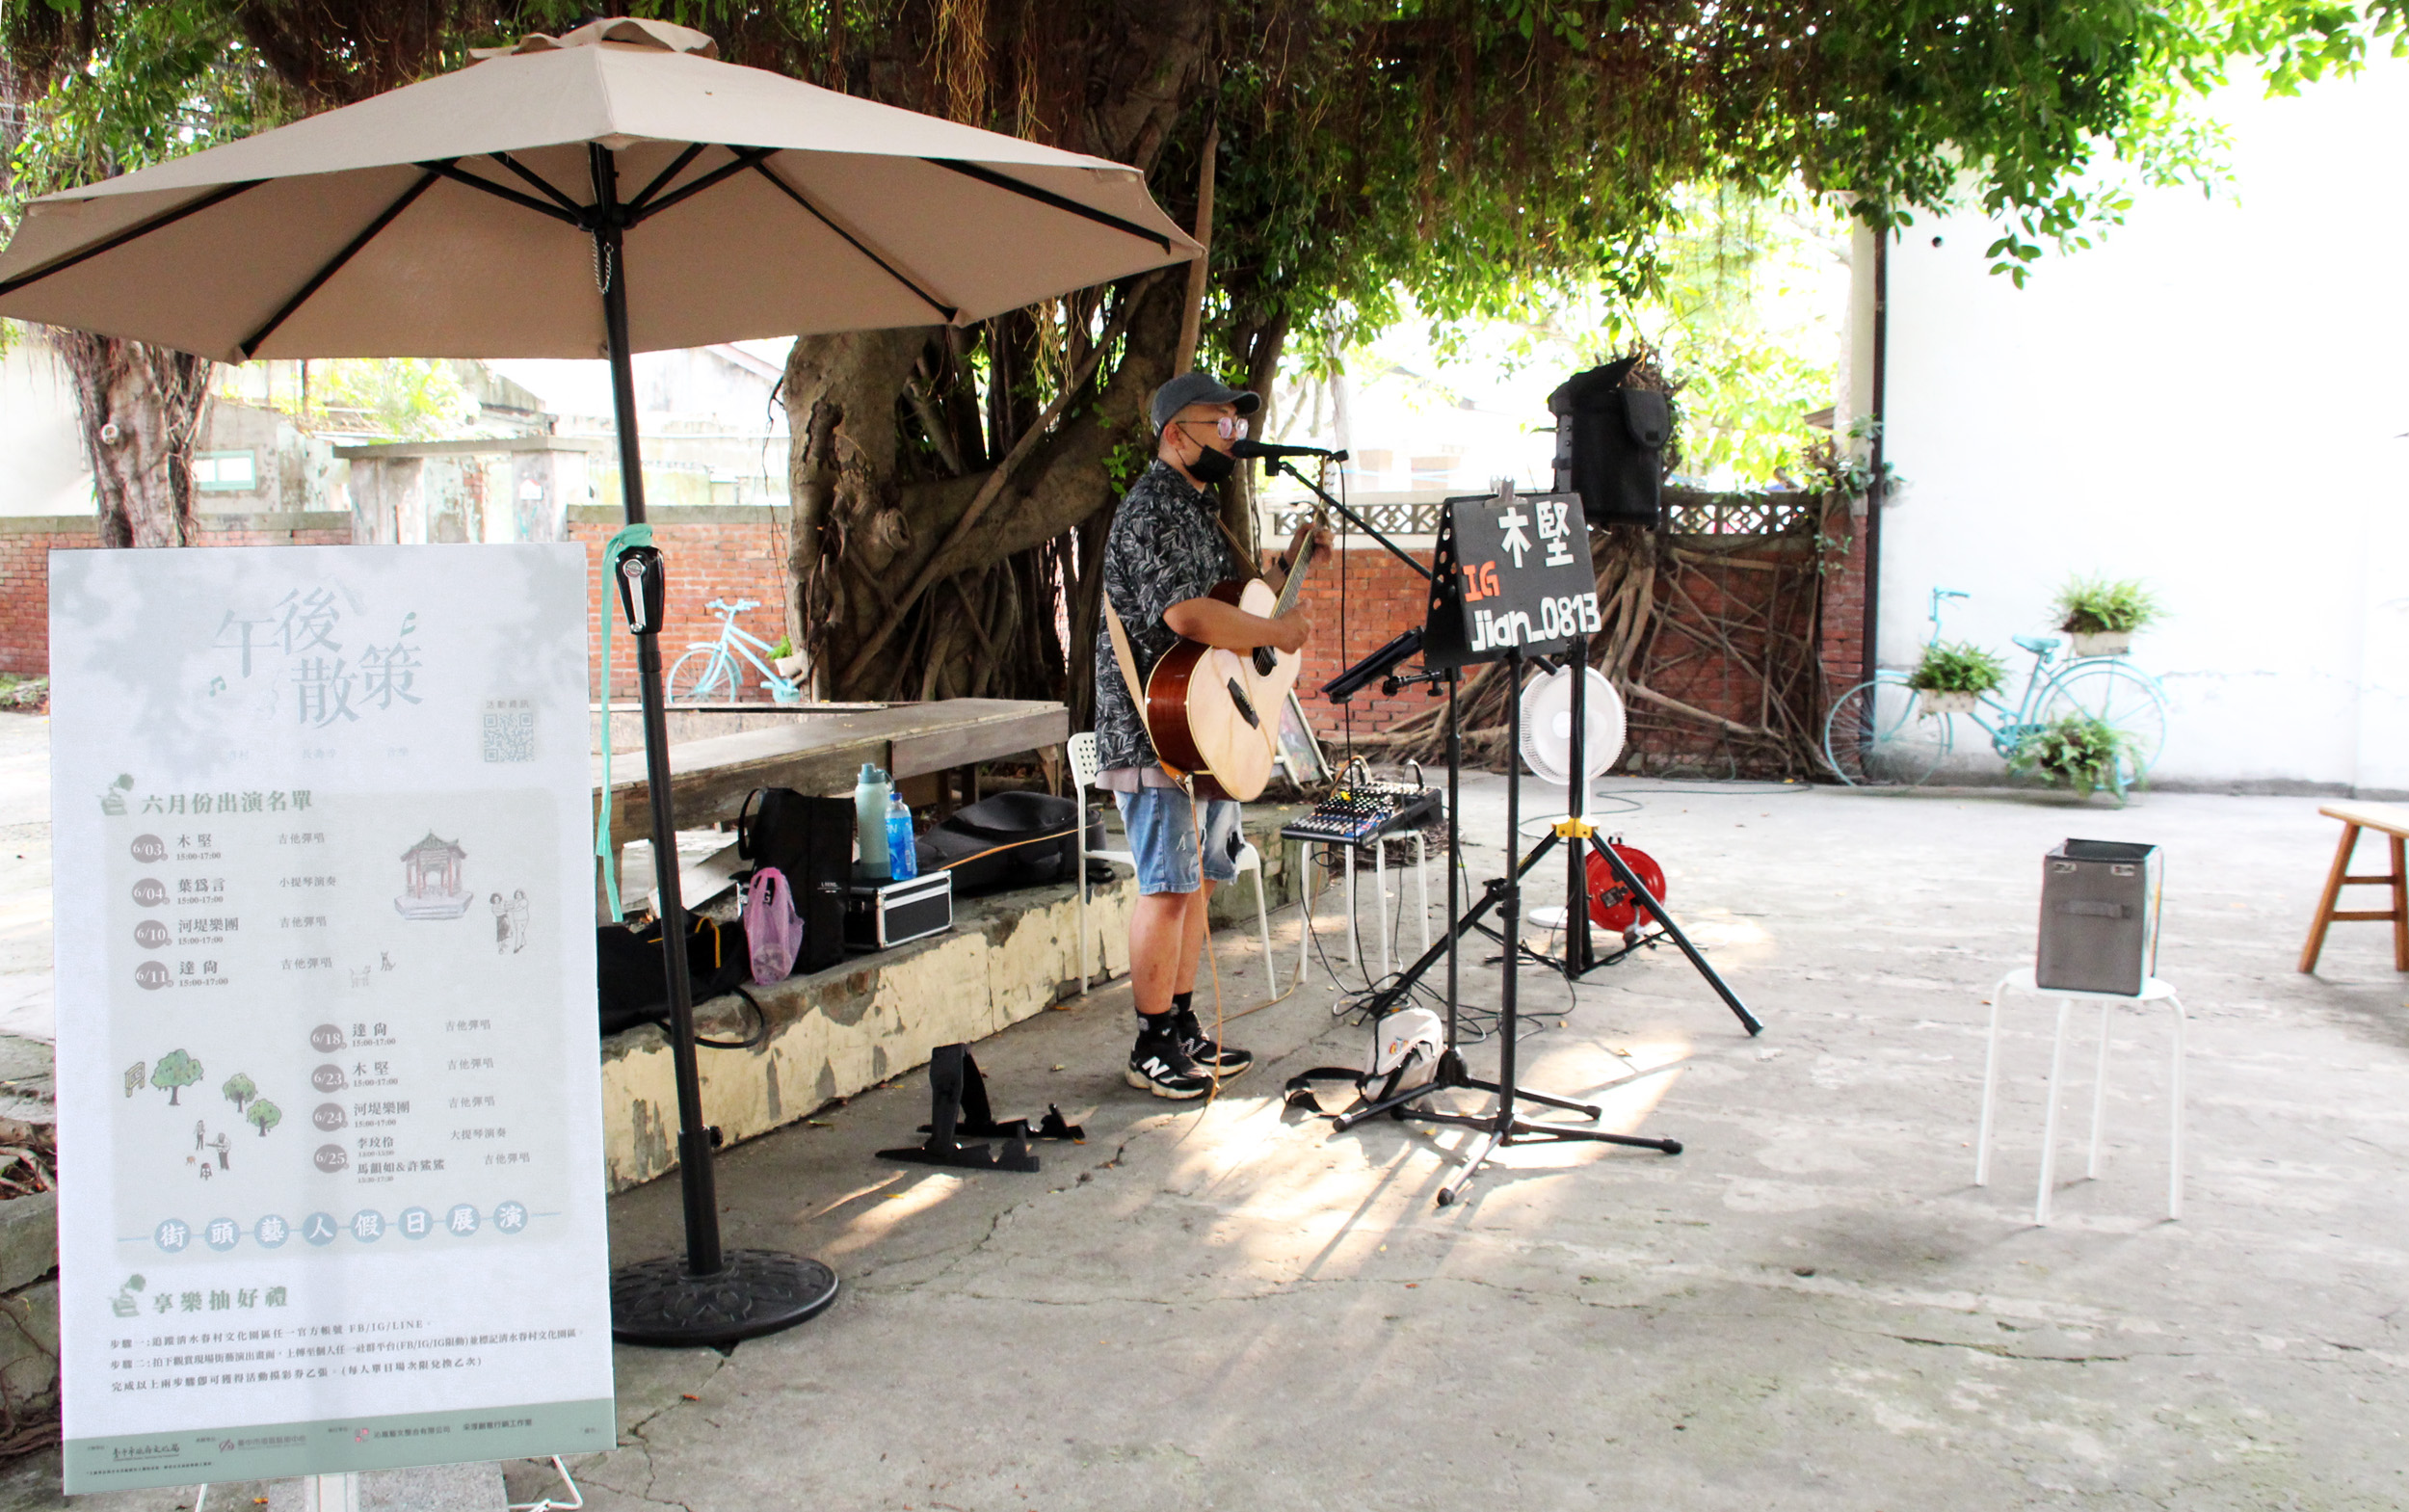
1199,389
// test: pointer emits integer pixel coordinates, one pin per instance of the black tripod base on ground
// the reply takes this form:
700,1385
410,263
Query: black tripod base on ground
1498,1128
659,1301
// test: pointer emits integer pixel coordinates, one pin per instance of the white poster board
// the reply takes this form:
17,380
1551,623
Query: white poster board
330,1138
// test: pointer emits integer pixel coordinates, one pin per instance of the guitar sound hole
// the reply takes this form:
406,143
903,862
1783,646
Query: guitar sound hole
1266,662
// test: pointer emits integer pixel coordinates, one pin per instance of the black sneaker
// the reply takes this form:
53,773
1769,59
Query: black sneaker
1158,1065
1221,1060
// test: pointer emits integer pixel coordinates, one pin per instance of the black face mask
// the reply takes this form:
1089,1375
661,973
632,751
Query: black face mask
1212,466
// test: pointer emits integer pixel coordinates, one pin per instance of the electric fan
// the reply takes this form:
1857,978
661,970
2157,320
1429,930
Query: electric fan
1547,742
1548,726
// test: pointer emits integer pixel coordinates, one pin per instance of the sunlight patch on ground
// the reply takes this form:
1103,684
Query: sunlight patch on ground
872,1221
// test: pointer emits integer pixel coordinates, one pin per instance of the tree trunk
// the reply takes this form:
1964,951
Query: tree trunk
864,532
846,529
141,407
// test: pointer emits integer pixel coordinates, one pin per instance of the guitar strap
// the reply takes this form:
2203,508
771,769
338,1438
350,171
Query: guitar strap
1129,679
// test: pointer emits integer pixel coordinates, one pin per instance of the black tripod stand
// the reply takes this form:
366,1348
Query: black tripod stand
1501,1127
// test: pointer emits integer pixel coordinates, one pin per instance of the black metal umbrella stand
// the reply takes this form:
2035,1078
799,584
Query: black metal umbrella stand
711,1295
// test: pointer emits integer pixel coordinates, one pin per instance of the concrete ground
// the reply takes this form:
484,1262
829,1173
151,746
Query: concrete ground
1811,1307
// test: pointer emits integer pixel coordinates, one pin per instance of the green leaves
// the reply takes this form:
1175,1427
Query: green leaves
1958,666
2091,605
2080,750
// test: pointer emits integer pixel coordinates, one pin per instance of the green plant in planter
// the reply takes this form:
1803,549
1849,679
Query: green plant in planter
1956,666
2081,750
2093,606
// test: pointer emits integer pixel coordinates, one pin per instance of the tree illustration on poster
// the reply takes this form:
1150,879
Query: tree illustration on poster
174,1071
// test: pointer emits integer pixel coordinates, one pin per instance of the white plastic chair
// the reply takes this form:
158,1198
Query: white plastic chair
1085,768
2153,991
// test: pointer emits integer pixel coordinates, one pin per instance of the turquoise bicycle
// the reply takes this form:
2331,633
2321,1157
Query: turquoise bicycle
708,671
1885,733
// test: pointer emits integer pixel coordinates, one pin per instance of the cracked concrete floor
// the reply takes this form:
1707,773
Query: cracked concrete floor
1809,1307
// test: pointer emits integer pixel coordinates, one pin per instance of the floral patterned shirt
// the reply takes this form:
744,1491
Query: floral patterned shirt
1165,547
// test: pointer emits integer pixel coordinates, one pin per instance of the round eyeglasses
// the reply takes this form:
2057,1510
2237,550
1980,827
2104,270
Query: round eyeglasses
1229,427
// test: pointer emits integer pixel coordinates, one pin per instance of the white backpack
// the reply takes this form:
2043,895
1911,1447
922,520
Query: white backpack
1405,1055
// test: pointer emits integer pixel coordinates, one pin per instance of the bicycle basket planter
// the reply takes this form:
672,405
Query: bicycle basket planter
1952,675
2102,643
2102,616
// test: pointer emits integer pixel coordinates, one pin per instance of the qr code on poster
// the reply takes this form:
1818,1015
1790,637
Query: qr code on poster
510,730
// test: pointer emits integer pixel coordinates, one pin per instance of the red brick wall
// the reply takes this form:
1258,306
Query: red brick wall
1384,597
25,546
1844,638
737,555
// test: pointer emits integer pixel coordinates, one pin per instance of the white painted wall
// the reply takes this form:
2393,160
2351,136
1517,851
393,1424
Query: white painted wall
43,469
2213,399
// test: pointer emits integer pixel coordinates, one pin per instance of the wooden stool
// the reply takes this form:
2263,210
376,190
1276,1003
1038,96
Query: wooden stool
2392,821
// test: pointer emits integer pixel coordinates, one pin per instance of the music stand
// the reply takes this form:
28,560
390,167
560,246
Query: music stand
1525,560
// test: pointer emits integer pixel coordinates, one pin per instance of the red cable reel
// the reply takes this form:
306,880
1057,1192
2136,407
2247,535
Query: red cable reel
1611,904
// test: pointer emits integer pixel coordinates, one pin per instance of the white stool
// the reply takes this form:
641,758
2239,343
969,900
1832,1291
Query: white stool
2153,991
1308,892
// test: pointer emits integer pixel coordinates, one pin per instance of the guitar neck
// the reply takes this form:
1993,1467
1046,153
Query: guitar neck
1300,559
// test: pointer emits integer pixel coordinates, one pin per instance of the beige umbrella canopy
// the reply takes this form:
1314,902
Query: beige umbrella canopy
612,190
456,216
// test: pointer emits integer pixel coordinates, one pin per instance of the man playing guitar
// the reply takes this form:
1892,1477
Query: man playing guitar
1166,554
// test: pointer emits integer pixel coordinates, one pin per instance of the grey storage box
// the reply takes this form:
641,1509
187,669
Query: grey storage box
2098,916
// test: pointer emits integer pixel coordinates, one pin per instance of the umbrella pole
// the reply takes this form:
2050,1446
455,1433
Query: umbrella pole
715,1297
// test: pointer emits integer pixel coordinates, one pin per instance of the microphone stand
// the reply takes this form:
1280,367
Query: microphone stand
1281,464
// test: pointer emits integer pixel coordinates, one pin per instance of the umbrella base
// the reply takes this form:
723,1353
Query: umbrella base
656,1302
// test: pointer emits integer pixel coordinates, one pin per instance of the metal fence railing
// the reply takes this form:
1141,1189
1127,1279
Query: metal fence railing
1687,513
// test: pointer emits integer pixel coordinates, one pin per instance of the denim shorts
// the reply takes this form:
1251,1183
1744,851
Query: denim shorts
1162,823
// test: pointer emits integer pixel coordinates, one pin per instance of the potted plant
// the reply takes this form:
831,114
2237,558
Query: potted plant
1952,675
2102,616
783,660
2081,750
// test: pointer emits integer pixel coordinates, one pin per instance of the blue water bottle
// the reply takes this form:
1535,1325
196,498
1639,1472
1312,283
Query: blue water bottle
903,862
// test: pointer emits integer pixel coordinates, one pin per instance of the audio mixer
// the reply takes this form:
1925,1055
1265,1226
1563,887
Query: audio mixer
1360,812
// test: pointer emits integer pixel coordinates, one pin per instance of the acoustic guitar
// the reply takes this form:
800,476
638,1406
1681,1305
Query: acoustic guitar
1217,712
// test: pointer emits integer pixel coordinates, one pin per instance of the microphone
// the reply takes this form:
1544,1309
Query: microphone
1243,449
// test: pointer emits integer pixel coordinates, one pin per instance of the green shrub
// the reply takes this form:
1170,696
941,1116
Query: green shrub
2081,750
2093,605
1956,666
786,647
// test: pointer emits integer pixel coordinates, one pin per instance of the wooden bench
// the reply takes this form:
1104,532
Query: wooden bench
2391,820
821,753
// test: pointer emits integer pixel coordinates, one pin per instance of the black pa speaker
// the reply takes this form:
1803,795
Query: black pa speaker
1610,445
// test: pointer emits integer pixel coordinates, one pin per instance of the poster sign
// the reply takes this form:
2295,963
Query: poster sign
1510,570
330,1187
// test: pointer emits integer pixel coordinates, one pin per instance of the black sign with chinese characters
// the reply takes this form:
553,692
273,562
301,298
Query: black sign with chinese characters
1512,570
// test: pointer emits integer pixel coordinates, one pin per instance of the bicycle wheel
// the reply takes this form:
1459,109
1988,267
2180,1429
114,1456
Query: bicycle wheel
699,675
1877,736
2125,699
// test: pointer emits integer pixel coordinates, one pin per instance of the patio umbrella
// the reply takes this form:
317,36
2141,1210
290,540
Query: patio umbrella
609,191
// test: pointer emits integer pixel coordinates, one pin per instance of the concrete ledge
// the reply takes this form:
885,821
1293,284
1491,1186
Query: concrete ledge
842,1031
849,1028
